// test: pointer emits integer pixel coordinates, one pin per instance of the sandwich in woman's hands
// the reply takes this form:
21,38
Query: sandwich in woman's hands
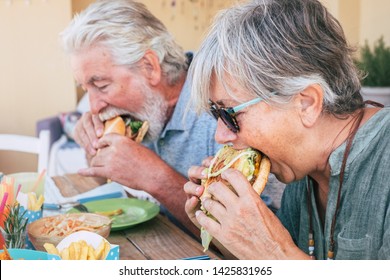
250,162
123,125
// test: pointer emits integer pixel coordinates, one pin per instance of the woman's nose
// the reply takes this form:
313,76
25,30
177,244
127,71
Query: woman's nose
223,135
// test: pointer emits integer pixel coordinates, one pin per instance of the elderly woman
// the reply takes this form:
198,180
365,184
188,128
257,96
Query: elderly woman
288,62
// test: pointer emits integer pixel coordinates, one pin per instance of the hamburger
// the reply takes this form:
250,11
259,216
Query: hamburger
254,165
125,126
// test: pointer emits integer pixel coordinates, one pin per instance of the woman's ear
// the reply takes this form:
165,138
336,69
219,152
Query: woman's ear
310,104
152,68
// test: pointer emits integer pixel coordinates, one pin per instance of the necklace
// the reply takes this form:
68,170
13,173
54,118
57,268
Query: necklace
332,242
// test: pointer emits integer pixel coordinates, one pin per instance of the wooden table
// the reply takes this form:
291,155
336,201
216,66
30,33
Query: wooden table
157,239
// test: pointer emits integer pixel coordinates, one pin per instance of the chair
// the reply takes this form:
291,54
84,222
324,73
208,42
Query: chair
29,144
66,156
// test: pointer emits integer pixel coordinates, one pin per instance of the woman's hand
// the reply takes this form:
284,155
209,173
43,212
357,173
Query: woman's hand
245,225
194,189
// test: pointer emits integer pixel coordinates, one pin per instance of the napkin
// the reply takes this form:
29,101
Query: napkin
53,194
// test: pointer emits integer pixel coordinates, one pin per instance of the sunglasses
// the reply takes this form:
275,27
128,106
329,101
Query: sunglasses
228,114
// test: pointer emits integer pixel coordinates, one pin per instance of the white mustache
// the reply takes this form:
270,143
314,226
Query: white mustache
112,112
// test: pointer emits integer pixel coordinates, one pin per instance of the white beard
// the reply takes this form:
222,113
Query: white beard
154,111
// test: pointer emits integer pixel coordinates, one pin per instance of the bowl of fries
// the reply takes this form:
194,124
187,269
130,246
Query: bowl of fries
54,229
84,245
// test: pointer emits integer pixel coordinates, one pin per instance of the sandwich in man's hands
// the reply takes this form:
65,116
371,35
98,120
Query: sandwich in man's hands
254,165
123,125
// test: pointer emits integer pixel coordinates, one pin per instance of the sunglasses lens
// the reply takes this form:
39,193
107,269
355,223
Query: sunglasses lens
229,120
214,112
225,116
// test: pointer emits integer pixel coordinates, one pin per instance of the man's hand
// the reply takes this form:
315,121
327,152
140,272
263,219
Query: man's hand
87,132
126,162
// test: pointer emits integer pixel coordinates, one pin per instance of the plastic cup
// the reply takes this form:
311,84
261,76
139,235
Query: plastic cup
28,181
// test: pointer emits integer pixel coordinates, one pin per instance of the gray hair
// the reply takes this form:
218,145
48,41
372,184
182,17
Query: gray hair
280,46
127,29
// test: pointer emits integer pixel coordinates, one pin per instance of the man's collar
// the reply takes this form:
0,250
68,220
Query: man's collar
180,118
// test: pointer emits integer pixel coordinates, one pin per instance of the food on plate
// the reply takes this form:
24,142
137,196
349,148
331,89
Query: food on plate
123,125
111,213
4,256
63,225
80,250
254,165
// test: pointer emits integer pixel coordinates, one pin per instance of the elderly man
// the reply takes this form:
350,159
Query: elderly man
129,64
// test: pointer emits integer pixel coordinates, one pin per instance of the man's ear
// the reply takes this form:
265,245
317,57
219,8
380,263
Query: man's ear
152,68
310,103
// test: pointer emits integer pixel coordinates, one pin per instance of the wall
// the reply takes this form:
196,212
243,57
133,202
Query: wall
186,20
374,21
362,20
34,75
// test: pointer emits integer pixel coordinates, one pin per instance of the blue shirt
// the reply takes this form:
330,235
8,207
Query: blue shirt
362,228
186,140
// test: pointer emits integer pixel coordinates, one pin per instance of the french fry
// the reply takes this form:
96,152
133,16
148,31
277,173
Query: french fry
51,249
33,203
39,203
32,200
91,253
107,248
77,250
84,252
99,250
65,254
72,252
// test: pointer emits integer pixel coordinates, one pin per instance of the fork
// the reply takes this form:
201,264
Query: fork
58,206
81,208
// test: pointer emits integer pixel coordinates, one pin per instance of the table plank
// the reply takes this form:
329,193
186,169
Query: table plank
160,239
74,184
127,251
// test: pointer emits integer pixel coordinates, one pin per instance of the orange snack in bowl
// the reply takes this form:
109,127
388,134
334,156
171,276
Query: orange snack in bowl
53,229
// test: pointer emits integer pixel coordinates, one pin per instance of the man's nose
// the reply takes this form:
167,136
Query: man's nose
223,135
96,103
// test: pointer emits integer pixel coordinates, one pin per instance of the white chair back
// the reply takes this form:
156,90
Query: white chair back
29,144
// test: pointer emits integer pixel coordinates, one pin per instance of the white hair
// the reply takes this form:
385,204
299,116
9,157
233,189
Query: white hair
275,49
127,29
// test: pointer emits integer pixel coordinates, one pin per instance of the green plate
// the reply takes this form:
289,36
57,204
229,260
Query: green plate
135,211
